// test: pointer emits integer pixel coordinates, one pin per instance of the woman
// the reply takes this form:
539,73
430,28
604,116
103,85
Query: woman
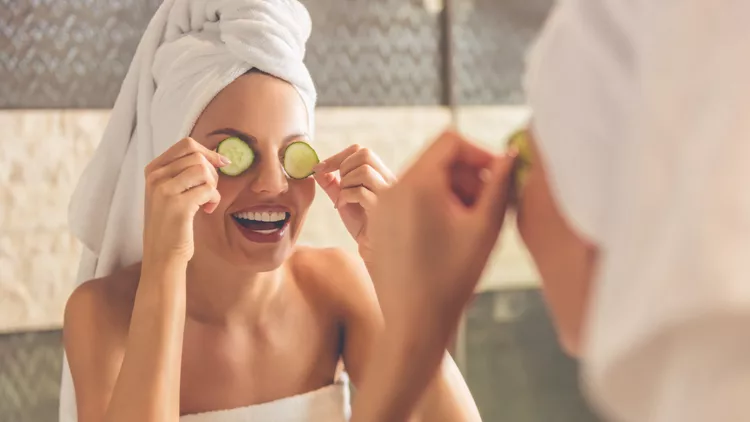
635,210
205,310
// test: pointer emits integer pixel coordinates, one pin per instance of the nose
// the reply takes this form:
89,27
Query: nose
270,178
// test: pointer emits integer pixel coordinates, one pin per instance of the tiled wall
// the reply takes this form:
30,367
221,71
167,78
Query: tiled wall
74,53
30,368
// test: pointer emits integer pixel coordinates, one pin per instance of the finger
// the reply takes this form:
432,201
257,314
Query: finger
364,176
183,148
466,183
360,195
366,157
472,155
178,166
190,178
330,183
438,154
205,196
493,198
450,148
213,202
334,162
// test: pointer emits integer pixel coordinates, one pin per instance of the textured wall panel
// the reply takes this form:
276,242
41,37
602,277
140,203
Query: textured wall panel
75,53
491,38
63,54
365,52
30,368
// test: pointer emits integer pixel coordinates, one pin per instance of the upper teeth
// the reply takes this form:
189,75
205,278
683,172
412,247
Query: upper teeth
262,216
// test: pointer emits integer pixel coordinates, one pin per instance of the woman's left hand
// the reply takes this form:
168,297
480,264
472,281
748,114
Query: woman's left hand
361,177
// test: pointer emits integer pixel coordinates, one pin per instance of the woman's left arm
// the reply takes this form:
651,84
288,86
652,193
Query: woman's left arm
353,179
447,397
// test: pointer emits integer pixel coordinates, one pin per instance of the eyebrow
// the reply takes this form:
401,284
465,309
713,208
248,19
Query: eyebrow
251,140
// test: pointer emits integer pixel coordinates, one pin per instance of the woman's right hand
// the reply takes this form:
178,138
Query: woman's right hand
178,183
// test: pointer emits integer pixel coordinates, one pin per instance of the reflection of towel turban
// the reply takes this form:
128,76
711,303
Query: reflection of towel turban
640,116
190,51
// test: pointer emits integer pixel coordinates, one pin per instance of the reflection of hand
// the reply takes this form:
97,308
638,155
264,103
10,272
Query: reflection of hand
434,230
354,191
431,234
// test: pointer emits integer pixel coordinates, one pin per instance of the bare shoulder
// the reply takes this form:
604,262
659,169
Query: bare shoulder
335,274
100,309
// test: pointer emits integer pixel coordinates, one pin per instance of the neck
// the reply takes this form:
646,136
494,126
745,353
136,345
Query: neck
219,293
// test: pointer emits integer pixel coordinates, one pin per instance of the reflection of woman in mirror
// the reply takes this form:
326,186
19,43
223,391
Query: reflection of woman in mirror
200,307
635,210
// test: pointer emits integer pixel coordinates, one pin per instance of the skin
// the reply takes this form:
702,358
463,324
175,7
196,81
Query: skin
210,320
446,233
565,260
424,227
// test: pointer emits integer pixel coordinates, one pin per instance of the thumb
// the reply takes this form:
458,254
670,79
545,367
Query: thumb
331,184
435,157
494,196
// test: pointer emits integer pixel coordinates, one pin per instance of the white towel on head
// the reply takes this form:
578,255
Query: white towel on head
190,51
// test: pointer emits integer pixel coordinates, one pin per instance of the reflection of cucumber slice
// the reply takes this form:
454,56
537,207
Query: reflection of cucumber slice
520,141
299,160
239,153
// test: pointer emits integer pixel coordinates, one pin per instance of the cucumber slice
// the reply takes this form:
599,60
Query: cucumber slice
520,141
239,153
299,160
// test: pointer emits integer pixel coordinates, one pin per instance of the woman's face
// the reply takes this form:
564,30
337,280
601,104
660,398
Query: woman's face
268,114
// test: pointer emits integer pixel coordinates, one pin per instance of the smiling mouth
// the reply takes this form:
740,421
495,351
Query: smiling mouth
262,222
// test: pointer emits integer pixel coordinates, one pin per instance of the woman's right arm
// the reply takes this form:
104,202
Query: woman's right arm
128,372
128,368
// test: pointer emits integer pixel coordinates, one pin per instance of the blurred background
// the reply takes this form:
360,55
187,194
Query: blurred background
390,75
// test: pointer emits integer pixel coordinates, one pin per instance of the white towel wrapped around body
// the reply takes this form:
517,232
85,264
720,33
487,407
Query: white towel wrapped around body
190,51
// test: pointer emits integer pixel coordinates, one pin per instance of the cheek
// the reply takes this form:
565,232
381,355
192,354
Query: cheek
229,188
303,192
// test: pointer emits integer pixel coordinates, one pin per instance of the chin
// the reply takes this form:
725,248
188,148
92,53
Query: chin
264,258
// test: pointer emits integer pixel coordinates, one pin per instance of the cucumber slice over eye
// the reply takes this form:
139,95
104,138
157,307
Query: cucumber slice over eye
239,153
520,141
299,160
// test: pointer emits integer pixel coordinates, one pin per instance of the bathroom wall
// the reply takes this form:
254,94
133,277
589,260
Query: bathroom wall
380,67
39,257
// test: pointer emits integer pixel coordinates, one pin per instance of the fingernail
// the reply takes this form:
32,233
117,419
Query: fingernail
512,152
224,160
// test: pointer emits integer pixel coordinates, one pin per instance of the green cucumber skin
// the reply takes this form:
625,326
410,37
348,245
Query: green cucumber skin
227,172
235,169
309,149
